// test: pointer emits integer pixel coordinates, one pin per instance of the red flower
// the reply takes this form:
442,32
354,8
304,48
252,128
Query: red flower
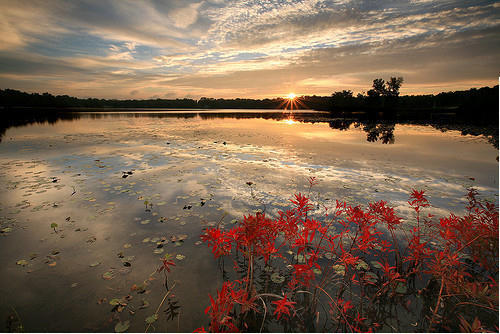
282,306
166,263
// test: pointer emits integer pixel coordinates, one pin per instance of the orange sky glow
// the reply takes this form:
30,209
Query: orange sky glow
246,48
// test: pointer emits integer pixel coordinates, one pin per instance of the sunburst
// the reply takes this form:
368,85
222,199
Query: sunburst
291,102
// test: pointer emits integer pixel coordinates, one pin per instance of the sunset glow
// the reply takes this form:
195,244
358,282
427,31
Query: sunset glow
226,49
291,96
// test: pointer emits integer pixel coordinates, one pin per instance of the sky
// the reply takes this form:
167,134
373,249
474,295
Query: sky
130,49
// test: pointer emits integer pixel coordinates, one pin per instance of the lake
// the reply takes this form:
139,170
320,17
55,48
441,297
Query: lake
91,201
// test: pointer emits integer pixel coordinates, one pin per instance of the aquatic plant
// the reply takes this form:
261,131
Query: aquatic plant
359,269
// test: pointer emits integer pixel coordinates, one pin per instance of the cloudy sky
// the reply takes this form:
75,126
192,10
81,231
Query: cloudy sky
245,48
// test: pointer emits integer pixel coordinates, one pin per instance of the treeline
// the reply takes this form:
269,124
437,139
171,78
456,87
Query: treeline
15,98
385,95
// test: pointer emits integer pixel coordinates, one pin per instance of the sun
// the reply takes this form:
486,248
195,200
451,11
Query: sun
291,96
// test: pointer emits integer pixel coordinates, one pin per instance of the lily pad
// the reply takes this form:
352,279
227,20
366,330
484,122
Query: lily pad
144,304
22,263
401,288
329,255
108,275
121,327
362,265
371,277
300,258
277,278
158,251
339,269
114,301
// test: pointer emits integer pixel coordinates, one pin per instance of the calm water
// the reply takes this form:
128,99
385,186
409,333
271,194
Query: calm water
194,170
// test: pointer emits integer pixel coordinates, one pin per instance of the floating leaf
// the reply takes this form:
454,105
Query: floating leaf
145,240
94,264
300,258
53,225
158,251
362,265
145,304
144,222
74,285
53,264
22,263
277,278
329,255
180,257
127,246
108,275
6,230
121,327
339,269
401,288
151,319
371,277
115,301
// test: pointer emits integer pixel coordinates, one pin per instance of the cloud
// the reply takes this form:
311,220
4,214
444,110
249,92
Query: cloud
256,48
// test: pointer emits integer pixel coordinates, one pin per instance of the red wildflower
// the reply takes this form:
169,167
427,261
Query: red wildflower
282,306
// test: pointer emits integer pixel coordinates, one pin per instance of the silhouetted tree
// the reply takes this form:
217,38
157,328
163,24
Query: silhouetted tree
392,86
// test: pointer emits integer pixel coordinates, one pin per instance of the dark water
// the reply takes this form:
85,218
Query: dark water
193,168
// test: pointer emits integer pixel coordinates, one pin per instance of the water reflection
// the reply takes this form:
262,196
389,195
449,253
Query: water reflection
382,131
187,171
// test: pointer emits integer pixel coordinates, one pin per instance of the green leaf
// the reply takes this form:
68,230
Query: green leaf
158,251
329,255
53,225
180,257
300,258
317,271
401,288
94,264
362,265
151,319
376,265
339,269
145,304
371,277
22,263
277,278
6,230
108,275
114,301
122,326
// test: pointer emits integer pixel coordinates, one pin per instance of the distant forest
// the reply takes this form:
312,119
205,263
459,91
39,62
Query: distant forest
482,103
